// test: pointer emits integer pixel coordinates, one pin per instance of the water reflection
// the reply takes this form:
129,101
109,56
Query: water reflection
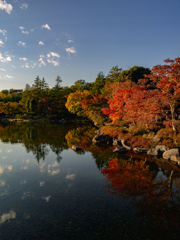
157,200
7,216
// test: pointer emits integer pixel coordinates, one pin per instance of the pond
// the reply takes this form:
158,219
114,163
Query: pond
49,191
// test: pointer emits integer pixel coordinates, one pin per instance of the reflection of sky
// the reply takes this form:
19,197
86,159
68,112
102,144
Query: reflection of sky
7,216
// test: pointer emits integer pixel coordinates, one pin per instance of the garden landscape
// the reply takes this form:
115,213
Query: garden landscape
89,120
125,130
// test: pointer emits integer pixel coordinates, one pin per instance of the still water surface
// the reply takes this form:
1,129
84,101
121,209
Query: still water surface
48,191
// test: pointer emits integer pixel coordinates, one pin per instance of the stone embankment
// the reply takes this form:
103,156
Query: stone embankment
161,151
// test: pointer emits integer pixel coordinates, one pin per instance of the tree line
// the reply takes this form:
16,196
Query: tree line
139,95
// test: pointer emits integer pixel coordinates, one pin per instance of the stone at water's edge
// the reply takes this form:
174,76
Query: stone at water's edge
175,159
167,154
76,148
140,150
153,152
100,138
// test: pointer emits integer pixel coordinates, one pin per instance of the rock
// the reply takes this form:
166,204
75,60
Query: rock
76,148
174,151
175,159
100,138
123,143
153,152
116,141
120,150
151,134
140,149
161,149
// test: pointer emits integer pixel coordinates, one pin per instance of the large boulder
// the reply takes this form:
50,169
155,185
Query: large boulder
174,151
120,150
153,152
161,149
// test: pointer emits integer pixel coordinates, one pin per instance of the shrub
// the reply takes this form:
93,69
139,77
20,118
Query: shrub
165,133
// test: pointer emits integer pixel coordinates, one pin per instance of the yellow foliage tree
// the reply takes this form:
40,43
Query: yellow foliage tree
73,103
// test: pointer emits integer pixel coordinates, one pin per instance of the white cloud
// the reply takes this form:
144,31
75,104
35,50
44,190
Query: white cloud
3,32
70,50
23,59
41,43
5,59
1,43
7,76
55,54
5,6
22,30
13,66
23,44
51,56
24,6
25,32
70,41
55,63
46,26
2,69
41,62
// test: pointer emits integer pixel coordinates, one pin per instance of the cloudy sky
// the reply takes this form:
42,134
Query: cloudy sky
77,39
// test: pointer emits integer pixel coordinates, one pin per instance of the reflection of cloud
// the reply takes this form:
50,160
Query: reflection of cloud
4,157
23,182
3,167
7,216
53,172
4,193
41,183
2,183
25,168
10,150
0,150
25,195
46,198
42,167
70,176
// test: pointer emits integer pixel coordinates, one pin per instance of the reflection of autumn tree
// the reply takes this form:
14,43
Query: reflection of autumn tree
152,197
82,136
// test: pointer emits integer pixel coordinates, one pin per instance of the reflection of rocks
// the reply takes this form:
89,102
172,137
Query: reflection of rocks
7,216
76,148
120,150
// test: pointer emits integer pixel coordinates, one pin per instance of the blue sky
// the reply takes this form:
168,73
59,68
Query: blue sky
76,39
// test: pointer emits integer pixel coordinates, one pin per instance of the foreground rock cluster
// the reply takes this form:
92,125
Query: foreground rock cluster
172,155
